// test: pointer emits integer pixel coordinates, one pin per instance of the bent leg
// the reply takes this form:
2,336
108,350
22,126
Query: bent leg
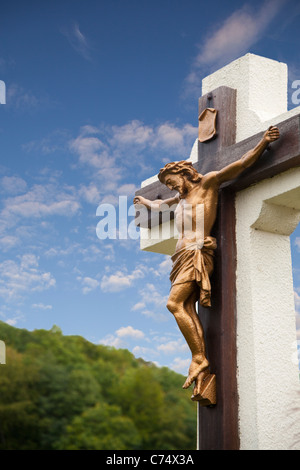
190,306
182,304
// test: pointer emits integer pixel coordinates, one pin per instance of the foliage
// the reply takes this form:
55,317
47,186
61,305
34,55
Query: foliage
63,392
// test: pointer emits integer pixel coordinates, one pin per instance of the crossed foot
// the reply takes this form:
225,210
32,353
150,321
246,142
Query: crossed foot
195,369
205,383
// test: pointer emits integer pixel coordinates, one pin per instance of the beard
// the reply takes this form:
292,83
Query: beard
182,189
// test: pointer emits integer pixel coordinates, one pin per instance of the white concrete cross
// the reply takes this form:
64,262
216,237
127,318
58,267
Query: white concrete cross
267,212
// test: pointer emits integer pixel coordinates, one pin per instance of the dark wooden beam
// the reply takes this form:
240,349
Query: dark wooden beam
223,99
282,155
218,426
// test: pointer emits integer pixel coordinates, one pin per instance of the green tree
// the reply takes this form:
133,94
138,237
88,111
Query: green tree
101,428
141,398
63,392
19,426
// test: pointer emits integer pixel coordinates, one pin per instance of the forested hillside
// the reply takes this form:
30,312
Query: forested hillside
63,392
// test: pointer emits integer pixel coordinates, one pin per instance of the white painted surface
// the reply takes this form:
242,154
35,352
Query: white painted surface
158,240
261,90
268,378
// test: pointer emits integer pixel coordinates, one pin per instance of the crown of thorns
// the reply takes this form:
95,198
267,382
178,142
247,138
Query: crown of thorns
183,167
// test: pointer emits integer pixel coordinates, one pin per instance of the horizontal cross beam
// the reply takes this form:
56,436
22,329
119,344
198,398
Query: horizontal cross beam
280,156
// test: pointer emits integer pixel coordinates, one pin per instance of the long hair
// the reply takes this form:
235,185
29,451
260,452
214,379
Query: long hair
183,167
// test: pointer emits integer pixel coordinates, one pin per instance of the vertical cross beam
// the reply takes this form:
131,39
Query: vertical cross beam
218,426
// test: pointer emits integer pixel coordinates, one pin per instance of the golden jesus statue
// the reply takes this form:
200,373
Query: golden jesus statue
193,257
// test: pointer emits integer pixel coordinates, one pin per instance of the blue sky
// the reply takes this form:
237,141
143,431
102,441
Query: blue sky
99,94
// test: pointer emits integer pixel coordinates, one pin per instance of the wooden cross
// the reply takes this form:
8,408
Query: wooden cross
218,426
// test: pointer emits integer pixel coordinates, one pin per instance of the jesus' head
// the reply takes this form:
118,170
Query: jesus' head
178,176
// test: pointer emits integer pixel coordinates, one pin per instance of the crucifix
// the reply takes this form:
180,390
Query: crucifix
236,166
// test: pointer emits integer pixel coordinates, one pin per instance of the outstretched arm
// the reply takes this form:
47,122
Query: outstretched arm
158,204
233,170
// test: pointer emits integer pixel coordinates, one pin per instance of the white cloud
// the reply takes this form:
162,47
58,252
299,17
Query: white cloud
98,157
87,129
129,331
171,347
241,30
88,284
54,142
120,337
29,261
180,365
111,153
173,138
42,306
25,100
91,151
146,353
176,139
116,142
152,303
77,40
167,135
7,242
132,133
18,279
90,193
13,185
138,306
11,321
88,253
156,315
164,268
111,340
20,98
120,280
151,295
127,190
41,201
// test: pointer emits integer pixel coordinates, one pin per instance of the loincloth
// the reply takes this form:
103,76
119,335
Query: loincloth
195,263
